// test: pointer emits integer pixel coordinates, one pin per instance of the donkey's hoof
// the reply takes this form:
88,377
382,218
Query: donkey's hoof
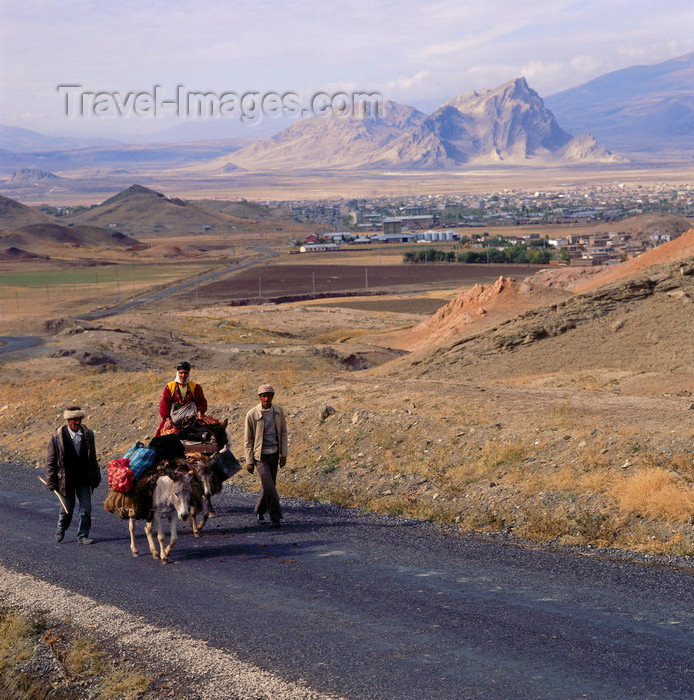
165,560
212,514
196,534
136,554
155,555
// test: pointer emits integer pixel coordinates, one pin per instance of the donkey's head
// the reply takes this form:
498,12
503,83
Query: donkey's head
221,434
202,467
180,496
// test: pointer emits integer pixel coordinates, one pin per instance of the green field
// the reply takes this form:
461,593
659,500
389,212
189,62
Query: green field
53,291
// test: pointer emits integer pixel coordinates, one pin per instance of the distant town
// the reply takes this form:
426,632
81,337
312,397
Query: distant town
464,218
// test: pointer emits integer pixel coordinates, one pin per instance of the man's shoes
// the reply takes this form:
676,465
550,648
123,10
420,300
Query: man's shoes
261,518
275,523
85,540
59,534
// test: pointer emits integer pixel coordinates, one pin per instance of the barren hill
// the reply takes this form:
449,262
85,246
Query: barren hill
329,141
472,311
643,226
141,209
680,249
241,209
41,238
635,334
13,215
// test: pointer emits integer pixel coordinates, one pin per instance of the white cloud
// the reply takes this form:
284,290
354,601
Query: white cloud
408,50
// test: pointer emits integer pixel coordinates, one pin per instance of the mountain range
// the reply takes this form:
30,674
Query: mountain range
634,109
633,114
509,124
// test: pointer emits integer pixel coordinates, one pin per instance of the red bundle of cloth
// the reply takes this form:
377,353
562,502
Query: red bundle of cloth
120,475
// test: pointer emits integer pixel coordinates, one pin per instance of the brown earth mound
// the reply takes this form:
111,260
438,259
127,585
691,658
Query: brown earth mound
37,238
474,310
167,251
16,254
679,249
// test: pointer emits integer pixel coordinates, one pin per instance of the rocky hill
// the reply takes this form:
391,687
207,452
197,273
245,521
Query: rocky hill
329,141
29,175
472,310
509,124
632,334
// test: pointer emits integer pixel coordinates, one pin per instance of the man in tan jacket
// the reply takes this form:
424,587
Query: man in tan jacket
265,437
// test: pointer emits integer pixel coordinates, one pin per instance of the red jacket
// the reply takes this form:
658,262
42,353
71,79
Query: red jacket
172,395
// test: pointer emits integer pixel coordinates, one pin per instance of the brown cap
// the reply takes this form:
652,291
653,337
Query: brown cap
266,389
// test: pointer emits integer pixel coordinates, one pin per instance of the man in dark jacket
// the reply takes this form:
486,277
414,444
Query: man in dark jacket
72,471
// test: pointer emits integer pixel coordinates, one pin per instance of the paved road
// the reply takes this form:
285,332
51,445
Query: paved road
16,343
369,607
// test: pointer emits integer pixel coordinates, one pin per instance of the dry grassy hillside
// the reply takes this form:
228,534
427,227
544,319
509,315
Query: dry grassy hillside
144,212
472,311
15,215
634,334
569,422
49,238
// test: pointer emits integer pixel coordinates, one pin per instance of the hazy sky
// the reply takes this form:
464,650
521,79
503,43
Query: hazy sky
417,53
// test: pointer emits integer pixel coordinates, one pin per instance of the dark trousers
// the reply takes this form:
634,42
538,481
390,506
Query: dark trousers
83,493
269,501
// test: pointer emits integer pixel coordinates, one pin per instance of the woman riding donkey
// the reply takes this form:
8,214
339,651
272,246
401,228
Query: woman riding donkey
183,407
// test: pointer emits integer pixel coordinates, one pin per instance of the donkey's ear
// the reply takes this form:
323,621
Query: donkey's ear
224,425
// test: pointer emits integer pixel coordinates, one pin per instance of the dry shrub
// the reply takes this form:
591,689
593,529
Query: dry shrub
656,493
542,525
598,529
15,639
84,659
489,519
125,684
594,457
496,454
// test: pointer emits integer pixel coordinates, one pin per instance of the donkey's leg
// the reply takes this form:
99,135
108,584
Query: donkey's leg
194,525
150,539
205,512
161,536
174,538
133,546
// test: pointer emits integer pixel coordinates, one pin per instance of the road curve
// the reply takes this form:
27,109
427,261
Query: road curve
15,343
361,606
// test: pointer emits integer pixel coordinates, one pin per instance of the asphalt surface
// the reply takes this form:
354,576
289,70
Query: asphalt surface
17,343
372,607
